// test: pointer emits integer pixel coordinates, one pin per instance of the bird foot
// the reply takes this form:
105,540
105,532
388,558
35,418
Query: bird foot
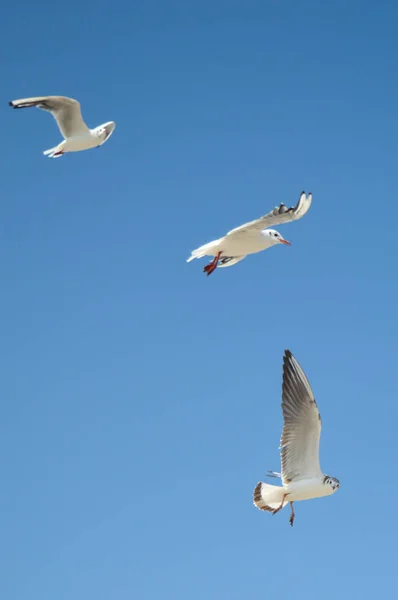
291,520
212,266
276,510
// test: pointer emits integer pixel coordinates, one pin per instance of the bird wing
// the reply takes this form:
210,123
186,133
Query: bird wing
66,112
302,424
228,261
277,216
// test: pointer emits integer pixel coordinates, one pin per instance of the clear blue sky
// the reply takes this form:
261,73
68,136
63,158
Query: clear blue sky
140,399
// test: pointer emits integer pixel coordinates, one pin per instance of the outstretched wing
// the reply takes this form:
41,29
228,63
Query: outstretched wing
228,261
277,216
66,112
302,424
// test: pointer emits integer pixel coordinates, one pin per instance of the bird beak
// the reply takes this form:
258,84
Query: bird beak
285,242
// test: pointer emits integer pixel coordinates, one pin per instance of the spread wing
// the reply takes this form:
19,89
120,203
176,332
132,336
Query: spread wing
302,424
66,111
277,216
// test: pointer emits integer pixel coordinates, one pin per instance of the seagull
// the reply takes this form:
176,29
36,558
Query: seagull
67,113
251,237
302,478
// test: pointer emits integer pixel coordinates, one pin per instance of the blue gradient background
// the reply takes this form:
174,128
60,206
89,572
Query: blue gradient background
140,399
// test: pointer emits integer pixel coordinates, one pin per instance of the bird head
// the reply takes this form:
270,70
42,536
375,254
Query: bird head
332,482
274,237
103,132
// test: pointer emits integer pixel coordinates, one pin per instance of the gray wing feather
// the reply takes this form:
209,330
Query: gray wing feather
302,424
66,112
279,215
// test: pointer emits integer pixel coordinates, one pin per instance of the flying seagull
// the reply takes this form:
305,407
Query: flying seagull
302,478
251,237
67,113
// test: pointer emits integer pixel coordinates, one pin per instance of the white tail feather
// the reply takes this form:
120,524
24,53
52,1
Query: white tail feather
268,497
209,249
52,152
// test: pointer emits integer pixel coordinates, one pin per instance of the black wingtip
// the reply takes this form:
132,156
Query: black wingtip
288,361
10,104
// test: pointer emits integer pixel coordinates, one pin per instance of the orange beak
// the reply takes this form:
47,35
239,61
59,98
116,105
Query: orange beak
285,242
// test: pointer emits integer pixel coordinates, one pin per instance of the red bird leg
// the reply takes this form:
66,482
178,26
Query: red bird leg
276,510
213,265
58,153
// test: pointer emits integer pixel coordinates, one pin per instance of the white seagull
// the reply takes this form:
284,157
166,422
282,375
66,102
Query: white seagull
67,113
302,478
251,237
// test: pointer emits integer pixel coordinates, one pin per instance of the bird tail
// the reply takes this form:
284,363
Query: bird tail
268,497
208,249
55,152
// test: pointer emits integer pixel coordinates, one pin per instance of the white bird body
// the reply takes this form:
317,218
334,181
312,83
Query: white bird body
237,245
67,113
306,489
252,237
302,478
77,143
